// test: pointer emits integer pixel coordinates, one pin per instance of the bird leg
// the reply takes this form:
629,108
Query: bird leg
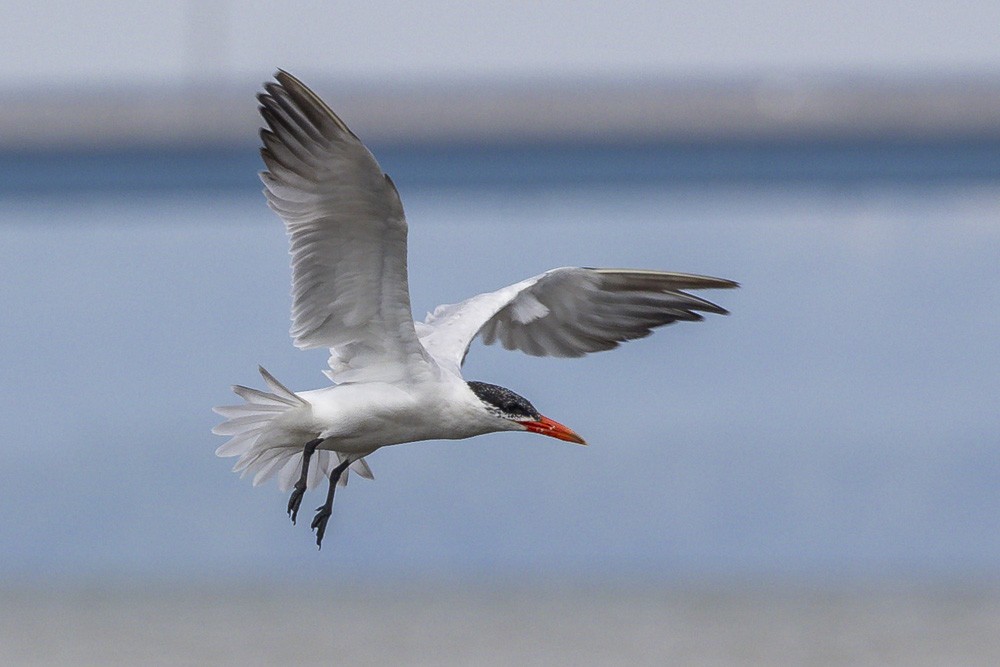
323,513
300,486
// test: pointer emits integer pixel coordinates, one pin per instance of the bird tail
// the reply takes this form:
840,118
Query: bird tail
265,448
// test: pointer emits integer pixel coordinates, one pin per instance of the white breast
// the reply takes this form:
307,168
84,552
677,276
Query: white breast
359,418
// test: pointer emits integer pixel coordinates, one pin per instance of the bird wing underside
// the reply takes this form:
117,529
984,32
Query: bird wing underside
347,234
568,312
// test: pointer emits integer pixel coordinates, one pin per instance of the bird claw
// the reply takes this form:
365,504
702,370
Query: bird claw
322,516
319,524
294,501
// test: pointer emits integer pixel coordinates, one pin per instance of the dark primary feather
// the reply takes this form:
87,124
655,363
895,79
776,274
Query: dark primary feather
591,310
568,312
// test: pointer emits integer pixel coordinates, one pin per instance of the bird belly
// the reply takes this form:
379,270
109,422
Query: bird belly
361,418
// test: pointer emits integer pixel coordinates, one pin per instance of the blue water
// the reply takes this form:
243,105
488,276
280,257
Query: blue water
526,165
841,423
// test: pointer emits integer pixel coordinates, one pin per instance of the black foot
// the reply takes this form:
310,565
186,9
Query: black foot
295,500
323,513
300,486
319,523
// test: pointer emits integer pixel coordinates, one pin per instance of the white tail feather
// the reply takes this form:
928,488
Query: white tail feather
280,390
316,467
268,462
230,411
361,467
261,398
258,444
236,425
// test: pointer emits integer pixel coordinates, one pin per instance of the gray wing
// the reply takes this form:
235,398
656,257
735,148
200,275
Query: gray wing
347,233
568,312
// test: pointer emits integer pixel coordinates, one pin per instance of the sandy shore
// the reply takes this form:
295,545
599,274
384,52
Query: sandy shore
495,626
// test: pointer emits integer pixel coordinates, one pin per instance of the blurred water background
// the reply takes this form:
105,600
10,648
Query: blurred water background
811,480
838,431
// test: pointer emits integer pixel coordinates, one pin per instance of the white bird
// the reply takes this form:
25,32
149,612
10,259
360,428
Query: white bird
396,380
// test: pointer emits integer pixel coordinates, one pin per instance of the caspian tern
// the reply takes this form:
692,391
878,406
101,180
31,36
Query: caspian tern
396,380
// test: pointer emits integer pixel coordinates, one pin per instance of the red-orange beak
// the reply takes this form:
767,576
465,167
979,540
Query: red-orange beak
553,429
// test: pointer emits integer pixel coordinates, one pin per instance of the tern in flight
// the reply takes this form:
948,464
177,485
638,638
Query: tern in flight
396,380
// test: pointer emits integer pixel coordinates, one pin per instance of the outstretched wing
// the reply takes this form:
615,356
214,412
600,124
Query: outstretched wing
567,312
347,232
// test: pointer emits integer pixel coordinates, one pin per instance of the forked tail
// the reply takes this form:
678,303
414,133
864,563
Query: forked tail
263,447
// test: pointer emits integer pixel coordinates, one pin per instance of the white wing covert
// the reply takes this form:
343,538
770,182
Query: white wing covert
567,312
347,233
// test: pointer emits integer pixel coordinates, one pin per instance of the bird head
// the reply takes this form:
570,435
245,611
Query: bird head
505,404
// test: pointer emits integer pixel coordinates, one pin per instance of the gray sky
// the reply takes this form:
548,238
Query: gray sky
118,41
